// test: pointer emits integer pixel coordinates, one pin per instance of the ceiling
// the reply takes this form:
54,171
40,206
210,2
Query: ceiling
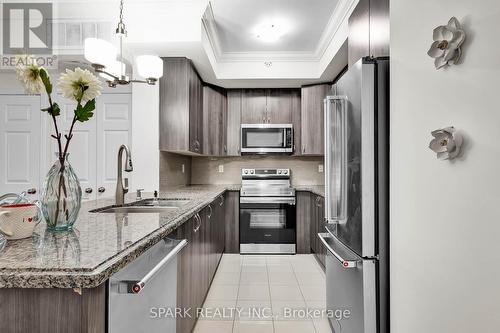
303,23
219,36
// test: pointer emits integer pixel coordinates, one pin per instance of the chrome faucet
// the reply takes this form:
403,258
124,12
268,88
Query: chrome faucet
122,189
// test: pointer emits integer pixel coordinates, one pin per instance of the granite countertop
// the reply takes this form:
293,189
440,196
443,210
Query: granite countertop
316,189
99,245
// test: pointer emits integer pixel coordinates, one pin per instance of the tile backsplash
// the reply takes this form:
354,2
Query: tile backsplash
206,170
171,170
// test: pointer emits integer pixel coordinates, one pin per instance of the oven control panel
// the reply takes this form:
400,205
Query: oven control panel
265,172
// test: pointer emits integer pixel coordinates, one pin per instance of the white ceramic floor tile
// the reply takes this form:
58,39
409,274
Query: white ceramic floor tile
222,293
218,310
282,278
278,260
207,326
306,267
313,293
254,310
287,268
286,310
310,278
254,278
232,278
293,327
285,293
253,327
254,260
250,293
229,267
254,268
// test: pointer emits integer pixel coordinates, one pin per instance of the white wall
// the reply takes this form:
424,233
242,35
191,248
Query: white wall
145,137
445,225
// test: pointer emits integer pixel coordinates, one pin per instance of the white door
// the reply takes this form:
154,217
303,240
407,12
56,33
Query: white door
19,143
113,113
82,148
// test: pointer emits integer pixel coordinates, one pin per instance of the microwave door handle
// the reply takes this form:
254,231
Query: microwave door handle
284,137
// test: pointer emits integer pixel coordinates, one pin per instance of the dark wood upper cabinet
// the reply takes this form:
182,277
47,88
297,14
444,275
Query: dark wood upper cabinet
369,30
214,121
312,119
181,107
268,106
253,106
233,126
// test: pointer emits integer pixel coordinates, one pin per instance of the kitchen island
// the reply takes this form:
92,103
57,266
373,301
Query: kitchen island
56,282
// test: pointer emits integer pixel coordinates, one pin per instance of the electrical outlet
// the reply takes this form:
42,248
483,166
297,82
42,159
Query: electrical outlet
320,168
221,168
183,168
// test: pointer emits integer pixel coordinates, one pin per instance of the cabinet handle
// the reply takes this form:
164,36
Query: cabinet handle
101,189
318,201
198,219
211,211
31,191
303,149
88,190
221,201
196,145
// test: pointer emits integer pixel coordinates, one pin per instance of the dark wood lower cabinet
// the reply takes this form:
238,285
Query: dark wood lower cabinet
310,222
198,261
53,310
232,221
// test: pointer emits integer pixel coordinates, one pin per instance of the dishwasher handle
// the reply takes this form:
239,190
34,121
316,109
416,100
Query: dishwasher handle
345,263
135,287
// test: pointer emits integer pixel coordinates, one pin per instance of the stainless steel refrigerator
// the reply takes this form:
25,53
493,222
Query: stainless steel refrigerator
357,199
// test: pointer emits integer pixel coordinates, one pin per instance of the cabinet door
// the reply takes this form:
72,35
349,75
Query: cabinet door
113,115
195,111
313,223
185,278
312,122
253,106
20,143
279,106
304,222
320,220
232,222
233,122
214,121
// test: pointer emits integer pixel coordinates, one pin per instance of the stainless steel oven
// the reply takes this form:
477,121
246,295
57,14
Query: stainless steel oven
267,212
266,138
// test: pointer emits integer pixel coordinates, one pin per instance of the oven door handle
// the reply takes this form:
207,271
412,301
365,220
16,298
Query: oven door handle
268,200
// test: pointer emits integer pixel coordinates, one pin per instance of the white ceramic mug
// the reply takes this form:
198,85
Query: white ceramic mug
18,221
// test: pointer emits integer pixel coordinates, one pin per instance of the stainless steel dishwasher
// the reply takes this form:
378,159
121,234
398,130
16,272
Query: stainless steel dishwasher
143,295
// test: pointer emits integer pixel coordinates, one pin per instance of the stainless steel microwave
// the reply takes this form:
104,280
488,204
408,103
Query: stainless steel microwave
266,138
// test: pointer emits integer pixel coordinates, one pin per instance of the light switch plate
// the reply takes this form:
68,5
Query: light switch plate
320,168
221,168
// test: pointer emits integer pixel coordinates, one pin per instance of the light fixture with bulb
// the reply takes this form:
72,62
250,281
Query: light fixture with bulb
102,56
270,31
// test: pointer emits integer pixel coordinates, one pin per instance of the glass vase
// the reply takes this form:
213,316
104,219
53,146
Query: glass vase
61,196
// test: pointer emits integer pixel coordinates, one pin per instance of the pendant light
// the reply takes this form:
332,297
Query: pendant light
106,61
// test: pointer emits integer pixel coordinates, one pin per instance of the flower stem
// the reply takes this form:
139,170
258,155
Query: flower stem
58,135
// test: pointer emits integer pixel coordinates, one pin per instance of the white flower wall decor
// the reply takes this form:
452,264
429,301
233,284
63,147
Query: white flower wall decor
446,48
446,143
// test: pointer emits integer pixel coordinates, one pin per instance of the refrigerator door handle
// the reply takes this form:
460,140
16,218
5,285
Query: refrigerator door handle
336,158
345,263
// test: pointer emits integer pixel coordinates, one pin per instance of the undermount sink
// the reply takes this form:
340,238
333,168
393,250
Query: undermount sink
145,206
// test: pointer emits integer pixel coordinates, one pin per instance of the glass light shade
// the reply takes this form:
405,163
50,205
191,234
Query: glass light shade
99,51
116,68
149,66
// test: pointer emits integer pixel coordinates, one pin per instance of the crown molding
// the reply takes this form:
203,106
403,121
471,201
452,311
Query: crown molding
341,12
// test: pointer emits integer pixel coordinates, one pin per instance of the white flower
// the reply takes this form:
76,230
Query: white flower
447,42
29,74
446,143
80,85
